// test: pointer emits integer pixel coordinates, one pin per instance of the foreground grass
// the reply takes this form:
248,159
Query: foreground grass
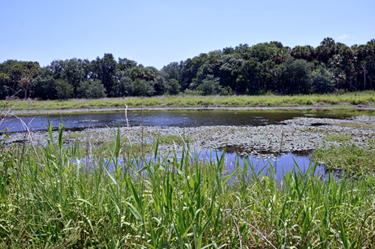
49,199
353,98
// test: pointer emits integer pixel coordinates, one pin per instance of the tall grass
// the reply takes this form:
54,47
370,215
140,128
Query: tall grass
54,200
353,98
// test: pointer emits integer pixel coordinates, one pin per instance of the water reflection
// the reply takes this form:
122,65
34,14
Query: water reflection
275,167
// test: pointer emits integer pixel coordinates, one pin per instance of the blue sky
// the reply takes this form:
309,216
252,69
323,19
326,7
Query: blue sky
155,33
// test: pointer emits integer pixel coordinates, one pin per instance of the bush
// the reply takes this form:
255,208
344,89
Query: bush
226,91
173,87
322,80
140,87
159,86
44,87
209,87
91,89
64,89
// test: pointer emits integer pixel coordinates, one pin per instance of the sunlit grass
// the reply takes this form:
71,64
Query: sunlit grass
327,100
52,199
338,138
350,158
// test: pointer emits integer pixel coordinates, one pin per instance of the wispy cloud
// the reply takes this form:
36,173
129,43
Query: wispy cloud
342,37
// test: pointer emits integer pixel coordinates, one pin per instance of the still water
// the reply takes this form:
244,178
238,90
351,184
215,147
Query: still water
275,167
164,119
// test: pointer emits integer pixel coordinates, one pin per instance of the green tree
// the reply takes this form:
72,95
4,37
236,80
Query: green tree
294,76
210,86
248,77
322,80
160,86
173,87
104,69
64,89
44,87
140,87
91,89
4,82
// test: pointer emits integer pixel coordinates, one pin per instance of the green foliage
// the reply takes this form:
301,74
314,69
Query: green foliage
173,87
209,87
104,69
44,87
140,87
4,82
91,89
322,80
338,138
294,76
350,158
226,91
159,86
64,89
241,70
8,163
330,101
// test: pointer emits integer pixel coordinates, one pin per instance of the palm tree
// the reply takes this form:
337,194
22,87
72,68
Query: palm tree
346,64
326,50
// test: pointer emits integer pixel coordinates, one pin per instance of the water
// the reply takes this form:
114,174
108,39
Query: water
164,119
281,164
273,166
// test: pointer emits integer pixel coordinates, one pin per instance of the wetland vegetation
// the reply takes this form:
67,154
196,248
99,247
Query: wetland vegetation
50,198
145,187
345,101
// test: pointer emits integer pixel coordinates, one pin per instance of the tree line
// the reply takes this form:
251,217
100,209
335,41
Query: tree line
244,69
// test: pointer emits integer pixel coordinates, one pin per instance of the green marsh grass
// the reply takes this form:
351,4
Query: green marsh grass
341,101
351,158
338,138
56,201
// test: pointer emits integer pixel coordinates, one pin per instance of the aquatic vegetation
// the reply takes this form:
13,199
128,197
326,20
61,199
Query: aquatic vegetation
173,139
350,158
55,200
338,138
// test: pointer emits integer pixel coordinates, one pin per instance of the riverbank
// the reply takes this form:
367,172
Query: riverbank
350,108
352,101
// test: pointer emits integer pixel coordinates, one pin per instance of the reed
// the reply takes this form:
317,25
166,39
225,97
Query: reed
343,101
53,199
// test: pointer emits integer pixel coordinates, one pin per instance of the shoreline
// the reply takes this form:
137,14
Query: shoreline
208,108
294,135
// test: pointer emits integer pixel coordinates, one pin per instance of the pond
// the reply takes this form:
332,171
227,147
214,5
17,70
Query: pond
185,118
275,166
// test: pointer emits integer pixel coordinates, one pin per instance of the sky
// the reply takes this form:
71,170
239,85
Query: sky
155,33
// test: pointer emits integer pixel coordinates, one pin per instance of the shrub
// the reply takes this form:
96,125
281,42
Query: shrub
140,87
322,80
91,89
173,87
64,89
